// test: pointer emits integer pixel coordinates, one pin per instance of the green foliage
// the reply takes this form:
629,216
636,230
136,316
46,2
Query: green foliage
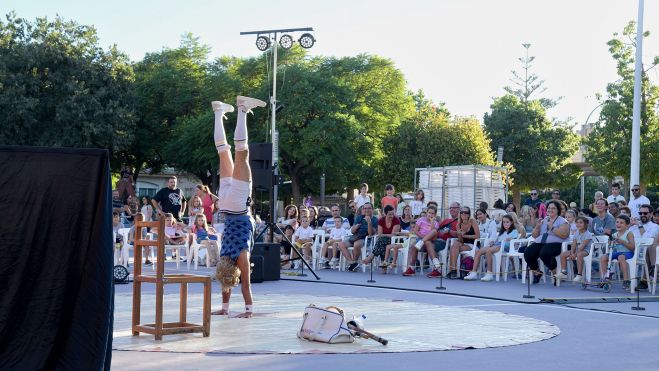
59,88
431,138
528,83
609,144
539,150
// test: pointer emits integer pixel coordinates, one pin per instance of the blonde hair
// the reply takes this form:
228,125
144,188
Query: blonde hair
203,217
227,273
520,228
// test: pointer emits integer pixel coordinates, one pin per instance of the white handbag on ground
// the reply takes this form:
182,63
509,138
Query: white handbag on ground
325,325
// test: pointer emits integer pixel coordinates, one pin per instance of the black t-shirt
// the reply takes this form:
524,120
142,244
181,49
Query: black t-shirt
170,201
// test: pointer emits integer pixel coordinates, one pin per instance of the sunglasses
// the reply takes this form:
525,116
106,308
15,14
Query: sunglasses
635,190
643,213
464,212
534,194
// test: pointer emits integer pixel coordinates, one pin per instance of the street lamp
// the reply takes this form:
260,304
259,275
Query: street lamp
264,42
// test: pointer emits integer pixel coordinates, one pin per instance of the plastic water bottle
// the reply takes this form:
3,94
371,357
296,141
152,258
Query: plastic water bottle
359,320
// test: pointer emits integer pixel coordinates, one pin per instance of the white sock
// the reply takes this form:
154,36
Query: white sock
219,134
225,307
240,135
435,262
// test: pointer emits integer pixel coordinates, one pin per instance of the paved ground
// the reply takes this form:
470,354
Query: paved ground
602,335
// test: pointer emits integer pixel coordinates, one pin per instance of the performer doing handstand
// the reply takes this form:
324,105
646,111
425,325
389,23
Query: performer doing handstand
234,198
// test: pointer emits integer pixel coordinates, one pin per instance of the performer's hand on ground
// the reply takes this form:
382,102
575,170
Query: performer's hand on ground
220,312
244,315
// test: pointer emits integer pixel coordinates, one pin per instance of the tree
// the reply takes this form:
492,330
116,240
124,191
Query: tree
528,83
431,138
59,88
539,150
608,147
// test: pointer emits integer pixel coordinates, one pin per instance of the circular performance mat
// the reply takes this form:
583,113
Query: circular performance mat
409,326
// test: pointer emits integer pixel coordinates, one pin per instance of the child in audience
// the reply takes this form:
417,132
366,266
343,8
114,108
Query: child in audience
507,233
418,204
407,219
286,247
571,218
207,237
336,235
389,198
218,218
579,249
304,239
196,207
401,205
623,248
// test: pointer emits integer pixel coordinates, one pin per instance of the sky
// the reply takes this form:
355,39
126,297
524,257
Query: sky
458,52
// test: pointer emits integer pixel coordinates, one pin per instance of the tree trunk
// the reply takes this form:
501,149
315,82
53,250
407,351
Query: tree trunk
136,172
517,198
295,185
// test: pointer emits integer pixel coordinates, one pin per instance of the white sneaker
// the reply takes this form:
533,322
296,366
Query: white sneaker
247,103
472,276
419,245
578,278
334,262
488,277
221,106
561,276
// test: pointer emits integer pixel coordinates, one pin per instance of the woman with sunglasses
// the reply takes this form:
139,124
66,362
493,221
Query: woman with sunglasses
549,234
467,233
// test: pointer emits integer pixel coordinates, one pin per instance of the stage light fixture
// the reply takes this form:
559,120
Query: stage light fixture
262,43
286,41
120,274
306,40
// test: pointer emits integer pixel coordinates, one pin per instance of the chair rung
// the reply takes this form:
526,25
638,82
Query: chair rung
146,224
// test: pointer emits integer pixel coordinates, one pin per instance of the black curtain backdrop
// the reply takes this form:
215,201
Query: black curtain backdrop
56,290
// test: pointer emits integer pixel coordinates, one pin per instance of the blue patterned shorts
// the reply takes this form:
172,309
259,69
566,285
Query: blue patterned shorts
238,234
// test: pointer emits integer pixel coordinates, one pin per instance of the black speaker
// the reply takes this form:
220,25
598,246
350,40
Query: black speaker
260,161
257,269
270,254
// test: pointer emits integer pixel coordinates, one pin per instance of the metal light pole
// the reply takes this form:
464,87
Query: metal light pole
634,175
273,99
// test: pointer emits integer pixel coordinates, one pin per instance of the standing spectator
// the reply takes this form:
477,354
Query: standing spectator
125,183
401,205
365,225
131,208
419,203
363,197
636,200
550,233
147,209
467,233
117,203
194,208
169,200
614,209
352,211
308,202
598,196
615,195
603,223
389,198
207,200
533,200
556,195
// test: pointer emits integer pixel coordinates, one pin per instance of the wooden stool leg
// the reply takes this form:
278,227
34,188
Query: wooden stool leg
159,304
207,309
183,303
137,302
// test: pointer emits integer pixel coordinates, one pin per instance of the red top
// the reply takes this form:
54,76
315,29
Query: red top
451,224
209,207
386,200
383,223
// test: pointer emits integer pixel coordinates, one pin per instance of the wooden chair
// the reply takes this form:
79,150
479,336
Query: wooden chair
160,279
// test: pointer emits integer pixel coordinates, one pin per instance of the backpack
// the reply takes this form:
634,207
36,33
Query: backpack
466,265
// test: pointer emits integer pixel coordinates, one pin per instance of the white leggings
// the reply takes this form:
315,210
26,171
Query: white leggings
233,195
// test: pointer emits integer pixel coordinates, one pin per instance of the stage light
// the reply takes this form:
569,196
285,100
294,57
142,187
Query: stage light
286,41
120,274
306,40
262,43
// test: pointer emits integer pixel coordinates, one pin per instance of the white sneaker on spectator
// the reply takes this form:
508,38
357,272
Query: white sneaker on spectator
488,277
221,106
472,276
247,103
561,275
578,278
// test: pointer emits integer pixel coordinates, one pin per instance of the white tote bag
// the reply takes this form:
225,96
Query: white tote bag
324,325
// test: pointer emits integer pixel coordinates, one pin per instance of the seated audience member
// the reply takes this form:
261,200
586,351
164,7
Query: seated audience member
324,213
336,213
623,249
518,226
304,239
352,212
467,233
603,223
486,226
132,208
571,218
336,235
406,219
286,247
425,230
511,208
636,200
646,228
363,197
614,209
195,207
624,210
598,196
588,213
615,195
579,248
549,234
499,211
313,217
116,225
365,225
205,236
389,198
387,227
290,217
117,202
655,217
528,218
419,203
505,235
174,233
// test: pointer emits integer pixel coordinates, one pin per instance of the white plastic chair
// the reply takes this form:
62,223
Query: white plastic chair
123,254
597,247
637,260
516,255
319,237
656,266
402,252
